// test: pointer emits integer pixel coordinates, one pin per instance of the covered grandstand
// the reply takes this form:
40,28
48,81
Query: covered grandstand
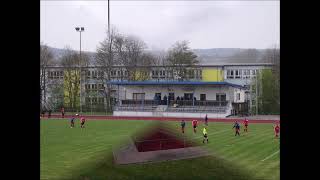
177,98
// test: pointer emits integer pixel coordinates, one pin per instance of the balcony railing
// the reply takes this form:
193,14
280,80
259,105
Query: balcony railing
175,103
139,102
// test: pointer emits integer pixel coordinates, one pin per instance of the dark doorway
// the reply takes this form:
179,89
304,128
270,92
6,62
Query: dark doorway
188,96
158,95
171,96
202,97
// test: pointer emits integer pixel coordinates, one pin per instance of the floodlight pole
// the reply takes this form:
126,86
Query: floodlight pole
81,29
109,18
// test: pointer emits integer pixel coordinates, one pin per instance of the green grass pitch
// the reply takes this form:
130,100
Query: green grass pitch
74,153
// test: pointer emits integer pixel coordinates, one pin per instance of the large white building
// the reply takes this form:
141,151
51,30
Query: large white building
217,90
220,89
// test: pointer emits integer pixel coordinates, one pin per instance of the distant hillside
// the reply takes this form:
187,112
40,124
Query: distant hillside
205,56
58,53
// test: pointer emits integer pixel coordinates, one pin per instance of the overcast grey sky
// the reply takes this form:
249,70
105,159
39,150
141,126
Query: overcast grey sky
205,24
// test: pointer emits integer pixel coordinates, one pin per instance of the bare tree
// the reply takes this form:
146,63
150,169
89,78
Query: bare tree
106,58
272,55
46,57
70,61
130,50
180,57
56,99
267,84
144,66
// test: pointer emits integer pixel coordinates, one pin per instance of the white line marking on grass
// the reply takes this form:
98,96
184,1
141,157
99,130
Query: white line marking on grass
270,155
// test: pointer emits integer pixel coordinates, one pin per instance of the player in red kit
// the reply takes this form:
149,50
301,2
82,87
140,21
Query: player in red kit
194,125
82,121
276,130
245,122
62,112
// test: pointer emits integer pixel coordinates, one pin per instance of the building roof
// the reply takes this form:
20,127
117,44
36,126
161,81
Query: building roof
161,66
133,83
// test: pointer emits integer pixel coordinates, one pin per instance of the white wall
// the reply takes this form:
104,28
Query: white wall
170,114
242,96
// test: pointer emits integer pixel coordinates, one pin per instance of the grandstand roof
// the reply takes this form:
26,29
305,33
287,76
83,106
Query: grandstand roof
174,83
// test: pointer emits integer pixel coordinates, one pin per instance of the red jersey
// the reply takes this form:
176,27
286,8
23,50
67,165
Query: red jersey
246,122
277,128
194,122
82,119
62,110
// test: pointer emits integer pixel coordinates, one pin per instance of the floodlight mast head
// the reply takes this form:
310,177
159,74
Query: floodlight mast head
79,29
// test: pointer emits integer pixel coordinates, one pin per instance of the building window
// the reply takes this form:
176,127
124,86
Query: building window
221,97
138,96
253,72
244,73
237,73
100,100
94,100
87,100
86,86
88,74
247,74
191,74
238,96
100,74
49,75
229,74
100,86
94,74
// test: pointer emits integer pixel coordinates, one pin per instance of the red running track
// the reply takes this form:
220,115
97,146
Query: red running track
228,120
